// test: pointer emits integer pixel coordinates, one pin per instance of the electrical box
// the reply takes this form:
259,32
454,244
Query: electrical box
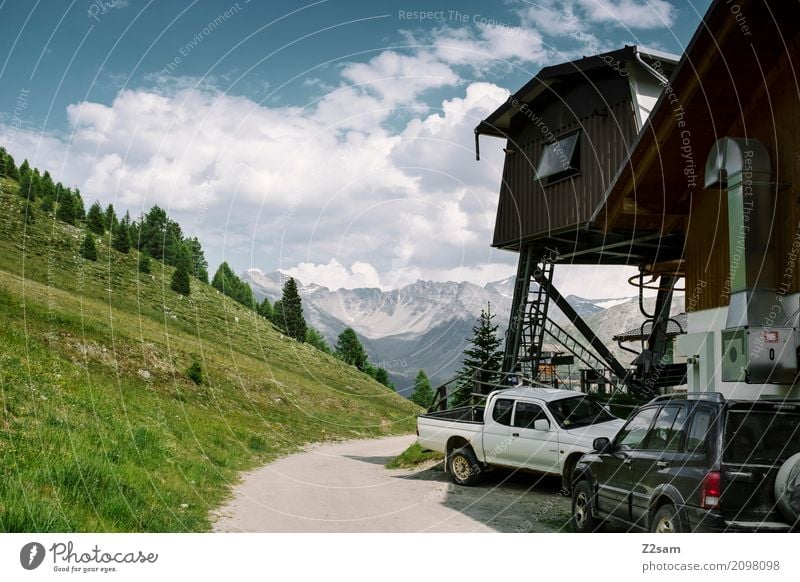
759,355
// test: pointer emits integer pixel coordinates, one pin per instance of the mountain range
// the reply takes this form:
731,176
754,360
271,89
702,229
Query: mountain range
425,325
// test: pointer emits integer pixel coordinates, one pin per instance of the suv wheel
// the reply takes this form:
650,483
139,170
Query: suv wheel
666,520
463,467
582,501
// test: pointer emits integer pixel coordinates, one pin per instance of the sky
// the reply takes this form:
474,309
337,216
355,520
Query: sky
331,140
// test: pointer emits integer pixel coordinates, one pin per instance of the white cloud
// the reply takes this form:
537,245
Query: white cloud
631,13
335,276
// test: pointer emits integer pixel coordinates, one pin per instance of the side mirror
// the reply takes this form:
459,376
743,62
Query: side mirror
601,444
541,424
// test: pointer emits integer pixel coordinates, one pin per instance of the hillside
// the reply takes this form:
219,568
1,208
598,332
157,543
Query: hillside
100,427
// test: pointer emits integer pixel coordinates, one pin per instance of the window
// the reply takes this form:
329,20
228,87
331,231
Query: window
526,414
502,411
633,433
701,423
578,411
668,429
761,436
559,159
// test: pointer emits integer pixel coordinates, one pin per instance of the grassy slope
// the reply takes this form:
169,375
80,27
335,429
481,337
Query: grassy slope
89,442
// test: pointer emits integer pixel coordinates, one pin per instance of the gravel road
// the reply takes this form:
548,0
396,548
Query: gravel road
345,487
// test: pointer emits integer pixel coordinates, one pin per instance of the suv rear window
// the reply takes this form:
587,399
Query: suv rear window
761,436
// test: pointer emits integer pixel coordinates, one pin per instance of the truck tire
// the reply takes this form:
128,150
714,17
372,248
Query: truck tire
666,520
582,520
787,489
463,467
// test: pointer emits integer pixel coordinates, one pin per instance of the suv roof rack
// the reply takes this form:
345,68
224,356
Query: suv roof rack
712,396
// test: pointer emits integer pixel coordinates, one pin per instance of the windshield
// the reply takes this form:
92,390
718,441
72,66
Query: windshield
578,411
758,436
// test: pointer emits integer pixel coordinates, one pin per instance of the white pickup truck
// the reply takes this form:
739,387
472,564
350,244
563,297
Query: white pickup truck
539,429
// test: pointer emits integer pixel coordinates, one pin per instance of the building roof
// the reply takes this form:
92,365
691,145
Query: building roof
675,326
723,65
498,123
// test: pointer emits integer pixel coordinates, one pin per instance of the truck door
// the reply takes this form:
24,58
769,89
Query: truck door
496,429
532,448
615,473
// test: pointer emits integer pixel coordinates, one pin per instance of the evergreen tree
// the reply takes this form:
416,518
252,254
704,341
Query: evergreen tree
293,321
110,218
314,338
382,376
277,315
47,204
350,350
226,281
10,168
7,167
482,359
95,219
47,186
24,175
88,248
80,209
144,263
66,207
423,392
199,262
26,211
181,277
173,243
264,309
122,241
153,232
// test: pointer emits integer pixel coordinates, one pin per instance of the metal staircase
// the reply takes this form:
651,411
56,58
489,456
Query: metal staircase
529,309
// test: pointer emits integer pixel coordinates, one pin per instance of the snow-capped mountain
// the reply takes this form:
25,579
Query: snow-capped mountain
424,325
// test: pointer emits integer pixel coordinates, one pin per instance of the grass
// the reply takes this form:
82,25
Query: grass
412,457
101,429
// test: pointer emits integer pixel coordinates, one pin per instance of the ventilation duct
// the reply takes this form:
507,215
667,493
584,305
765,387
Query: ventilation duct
759,342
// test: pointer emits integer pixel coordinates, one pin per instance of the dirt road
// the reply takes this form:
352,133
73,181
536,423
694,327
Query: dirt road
345,487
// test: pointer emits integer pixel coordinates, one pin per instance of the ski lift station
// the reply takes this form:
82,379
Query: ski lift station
685,168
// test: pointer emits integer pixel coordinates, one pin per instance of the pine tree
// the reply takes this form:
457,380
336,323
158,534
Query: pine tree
226,281
80,209
153,232
314,338
181,282
10,168
277,315
144,263
95,220
293,320
48,187
264,309
88,248
350,350
382,376
110,218
423,392
482,360
47,204
66,207
199,262
122,241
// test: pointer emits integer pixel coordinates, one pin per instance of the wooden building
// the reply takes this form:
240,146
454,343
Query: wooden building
702,190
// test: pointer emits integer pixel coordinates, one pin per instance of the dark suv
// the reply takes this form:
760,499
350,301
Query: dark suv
691,462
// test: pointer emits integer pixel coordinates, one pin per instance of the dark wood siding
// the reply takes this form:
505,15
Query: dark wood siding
603,112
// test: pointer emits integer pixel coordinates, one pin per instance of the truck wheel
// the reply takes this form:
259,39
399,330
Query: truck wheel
666,520
582,519
463,467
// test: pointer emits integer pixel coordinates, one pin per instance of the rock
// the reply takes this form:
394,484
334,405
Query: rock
145,374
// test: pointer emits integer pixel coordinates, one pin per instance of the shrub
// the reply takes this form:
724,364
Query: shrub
195,373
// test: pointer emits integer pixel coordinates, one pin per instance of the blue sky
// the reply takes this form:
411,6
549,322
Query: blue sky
329,139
